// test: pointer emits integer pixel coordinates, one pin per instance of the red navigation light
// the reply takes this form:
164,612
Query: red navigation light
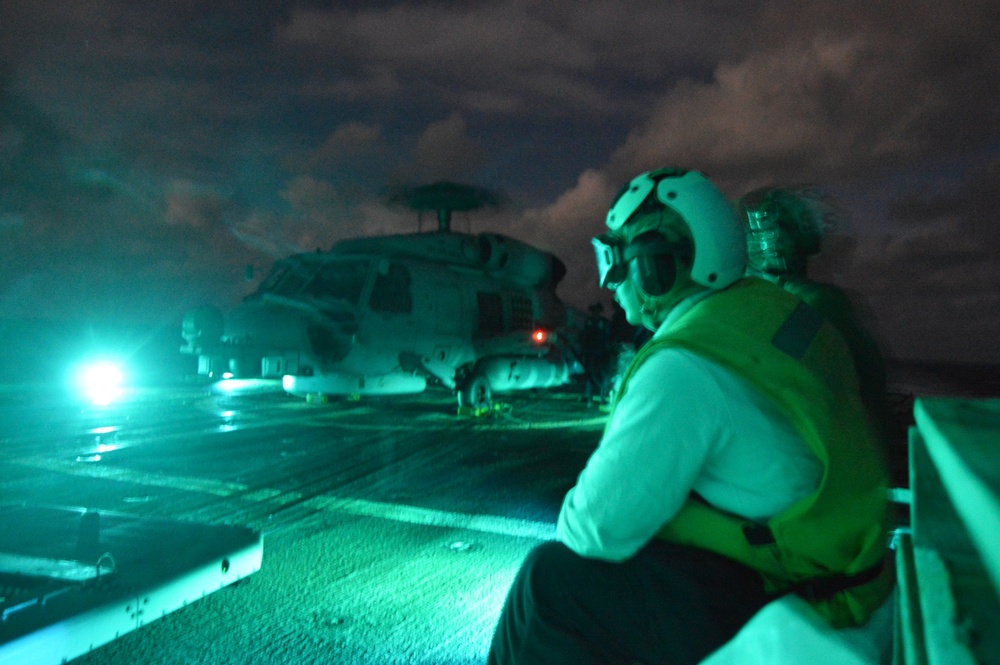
539,336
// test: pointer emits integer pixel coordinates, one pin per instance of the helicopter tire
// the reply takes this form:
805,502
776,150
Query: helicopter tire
475,393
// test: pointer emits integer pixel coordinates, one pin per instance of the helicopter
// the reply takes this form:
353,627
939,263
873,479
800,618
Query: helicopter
391,314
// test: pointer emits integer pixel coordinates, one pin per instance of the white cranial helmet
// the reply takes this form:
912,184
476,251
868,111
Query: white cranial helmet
720,248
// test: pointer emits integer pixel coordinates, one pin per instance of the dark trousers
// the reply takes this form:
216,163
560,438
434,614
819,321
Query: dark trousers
668,605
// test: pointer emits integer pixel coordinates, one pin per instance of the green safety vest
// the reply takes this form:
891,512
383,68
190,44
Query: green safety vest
831,546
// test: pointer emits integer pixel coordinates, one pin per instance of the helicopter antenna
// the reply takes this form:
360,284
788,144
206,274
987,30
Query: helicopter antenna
444,198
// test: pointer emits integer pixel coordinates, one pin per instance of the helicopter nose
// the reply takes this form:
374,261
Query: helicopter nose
274,328
328,339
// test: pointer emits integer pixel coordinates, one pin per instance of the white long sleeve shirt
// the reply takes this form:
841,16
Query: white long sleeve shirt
685,423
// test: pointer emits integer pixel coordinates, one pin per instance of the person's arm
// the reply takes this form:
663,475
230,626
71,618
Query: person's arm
654,448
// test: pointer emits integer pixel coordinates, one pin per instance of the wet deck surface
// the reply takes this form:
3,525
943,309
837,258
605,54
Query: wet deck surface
392,528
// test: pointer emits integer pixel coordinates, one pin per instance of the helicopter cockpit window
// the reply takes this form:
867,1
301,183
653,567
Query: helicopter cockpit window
391,292
287,277
339,280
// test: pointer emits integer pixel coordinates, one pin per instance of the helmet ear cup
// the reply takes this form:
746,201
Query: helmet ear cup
655,274
652,261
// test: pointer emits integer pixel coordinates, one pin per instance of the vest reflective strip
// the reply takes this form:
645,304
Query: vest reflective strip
798,331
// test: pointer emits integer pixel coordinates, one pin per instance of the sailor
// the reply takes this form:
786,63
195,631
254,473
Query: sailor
596,354
736,465
785,227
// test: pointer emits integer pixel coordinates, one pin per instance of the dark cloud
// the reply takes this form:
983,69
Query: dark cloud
350,140
838,106
445,151
527,58
162,146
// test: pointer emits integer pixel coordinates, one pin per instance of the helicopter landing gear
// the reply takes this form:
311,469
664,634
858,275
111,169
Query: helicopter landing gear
475,393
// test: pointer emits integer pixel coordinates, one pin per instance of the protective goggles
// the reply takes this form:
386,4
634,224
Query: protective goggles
613,255
611,266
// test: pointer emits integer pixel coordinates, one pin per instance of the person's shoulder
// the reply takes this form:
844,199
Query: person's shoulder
826,298
689,387
677,367
804,288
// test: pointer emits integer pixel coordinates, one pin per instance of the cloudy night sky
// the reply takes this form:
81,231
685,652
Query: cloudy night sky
149,151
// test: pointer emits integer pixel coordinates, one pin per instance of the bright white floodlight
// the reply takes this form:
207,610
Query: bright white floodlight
102,382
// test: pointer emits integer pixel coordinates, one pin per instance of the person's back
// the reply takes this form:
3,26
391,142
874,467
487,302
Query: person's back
836,307
785,227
